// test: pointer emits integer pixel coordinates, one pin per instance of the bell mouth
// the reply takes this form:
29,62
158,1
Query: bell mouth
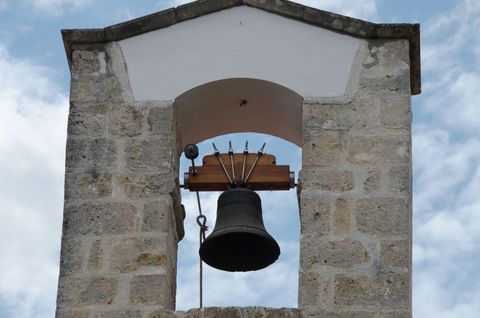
239,251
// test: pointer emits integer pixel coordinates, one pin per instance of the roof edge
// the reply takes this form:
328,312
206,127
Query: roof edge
327,20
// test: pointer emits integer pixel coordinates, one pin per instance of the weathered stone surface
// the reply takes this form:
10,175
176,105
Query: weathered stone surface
385,290
87,119
344,253
372,182
322,149
395,253
399,180
98,219
331,180
396,111
90,154
322,117
149,154
241,312
315,216
87,62
381,148
125,120
90,185
72,313
393,314
382,216
165,313
96,256
122,313
71,256
314,291
145,186
339,314
86,291
343,224
99,89
130,254
157,215
160,120
148,290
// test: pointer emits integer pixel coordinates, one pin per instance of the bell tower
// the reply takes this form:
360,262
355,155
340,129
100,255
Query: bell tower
338,87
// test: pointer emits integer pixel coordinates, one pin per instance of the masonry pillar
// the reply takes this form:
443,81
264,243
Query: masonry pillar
118,255
355,197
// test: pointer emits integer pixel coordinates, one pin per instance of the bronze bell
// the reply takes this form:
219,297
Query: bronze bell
239,241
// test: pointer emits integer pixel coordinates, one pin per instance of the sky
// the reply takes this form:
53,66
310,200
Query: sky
34,86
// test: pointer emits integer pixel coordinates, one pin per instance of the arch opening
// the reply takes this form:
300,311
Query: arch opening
241,109
275,286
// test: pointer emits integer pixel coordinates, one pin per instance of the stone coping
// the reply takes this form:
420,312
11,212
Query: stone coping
331,21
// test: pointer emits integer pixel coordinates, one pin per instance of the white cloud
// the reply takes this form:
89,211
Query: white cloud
58,7
447,168
32,150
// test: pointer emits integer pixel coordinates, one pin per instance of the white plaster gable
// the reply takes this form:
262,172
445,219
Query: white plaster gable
241,42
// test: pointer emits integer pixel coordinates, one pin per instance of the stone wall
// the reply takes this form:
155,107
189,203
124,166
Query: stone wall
355,195
123,219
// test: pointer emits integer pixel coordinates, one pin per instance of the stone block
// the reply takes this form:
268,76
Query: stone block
331,180
372,182
149,290
322,117
71,256
241,312
337,314
146,186
383,291
90,185
87,61
72,313
125,120
395,253
86,291
87,119
399,180
315,216
157,215
95,257
393,314
383,216
99,89
379,148
98,219
396,111
160,120
165,313
131,254
152,154
343,224
322,149
346,253
314,290
119,313
90,154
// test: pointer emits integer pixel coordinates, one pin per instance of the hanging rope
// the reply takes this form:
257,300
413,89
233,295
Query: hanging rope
202,223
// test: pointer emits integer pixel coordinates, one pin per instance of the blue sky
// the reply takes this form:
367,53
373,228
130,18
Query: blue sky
34,83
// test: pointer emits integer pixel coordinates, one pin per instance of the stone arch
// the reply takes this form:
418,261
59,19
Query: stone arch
239,105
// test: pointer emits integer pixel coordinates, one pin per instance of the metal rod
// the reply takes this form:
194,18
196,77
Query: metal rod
259,154
230,153
217,154
245,154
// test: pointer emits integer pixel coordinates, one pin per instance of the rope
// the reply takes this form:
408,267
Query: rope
201,221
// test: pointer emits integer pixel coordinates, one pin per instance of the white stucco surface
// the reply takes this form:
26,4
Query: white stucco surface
241,42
